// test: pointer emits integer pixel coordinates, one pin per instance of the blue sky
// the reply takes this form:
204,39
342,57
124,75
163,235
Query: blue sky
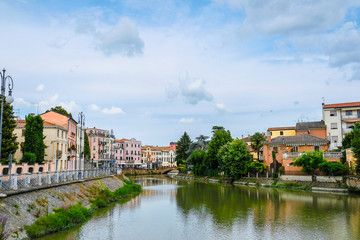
154,69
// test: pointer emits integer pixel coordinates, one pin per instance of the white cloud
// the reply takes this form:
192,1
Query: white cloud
192,91
113,110
21,103
40,87
93,107
221,108
53,101
122,39
187,120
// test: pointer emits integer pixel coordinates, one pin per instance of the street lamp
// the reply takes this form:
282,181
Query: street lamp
81,122
9,98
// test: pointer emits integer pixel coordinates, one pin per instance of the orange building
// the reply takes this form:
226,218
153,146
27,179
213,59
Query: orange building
71,125
309,136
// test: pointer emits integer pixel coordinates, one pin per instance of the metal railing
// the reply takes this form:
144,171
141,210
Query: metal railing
27,180
292,155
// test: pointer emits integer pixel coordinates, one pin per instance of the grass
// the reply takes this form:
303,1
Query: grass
67,217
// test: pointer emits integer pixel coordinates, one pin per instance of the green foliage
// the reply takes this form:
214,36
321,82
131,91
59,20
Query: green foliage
333,168
310,161
29,158
181,148
197,159
216,128
346,142
355,146
8,142
86,147
255,167
220,138
62,219
235,158
34,138
61,110
257,142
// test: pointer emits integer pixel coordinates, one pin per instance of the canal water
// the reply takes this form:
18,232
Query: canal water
178,209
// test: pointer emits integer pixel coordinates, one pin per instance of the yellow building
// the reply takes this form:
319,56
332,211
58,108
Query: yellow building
55,140
281,131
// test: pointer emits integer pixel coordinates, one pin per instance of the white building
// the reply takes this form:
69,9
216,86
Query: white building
339,118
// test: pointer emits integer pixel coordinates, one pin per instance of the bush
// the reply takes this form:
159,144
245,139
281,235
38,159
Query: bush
60,220
29,158
333,168
255,167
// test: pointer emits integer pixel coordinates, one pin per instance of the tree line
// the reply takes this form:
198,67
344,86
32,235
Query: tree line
221,154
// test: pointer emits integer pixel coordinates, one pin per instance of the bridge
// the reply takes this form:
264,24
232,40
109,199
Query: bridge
135,171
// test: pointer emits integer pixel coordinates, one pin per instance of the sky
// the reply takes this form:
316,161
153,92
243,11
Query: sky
153,69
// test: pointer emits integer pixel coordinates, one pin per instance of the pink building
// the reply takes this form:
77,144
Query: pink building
173,146
129,152
101,146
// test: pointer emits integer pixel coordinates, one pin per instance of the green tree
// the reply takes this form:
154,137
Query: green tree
197,159
201,144
333,168
255,167
355,146
235,158
220,138
216,128
181,149
257,142
346,142
87,146
61,110
310,161
8,142
34,138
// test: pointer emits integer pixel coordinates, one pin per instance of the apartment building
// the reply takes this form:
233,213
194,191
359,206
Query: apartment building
339,119
71,125
129,152
101,146
56,140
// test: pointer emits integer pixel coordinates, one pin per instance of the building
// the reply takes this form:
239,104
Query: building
173,146
71,125
288,148
131,152
101,146
339,118
56,140
155,156
281,131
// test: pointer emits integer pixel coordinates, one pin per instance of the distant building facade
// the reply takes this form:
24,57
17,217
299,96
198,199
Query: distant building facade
339,119
101,146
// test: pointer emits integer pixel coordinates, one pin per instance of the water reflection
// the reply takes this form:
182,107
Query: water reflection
173,209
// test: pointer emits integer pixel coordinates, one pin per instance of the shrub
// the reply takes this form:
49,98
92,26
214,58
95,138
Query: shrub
255,167
29,158
3,234
333,168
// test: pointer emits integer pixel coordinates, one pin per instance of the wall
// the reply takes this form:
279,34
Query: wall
296,178
25,167
276,133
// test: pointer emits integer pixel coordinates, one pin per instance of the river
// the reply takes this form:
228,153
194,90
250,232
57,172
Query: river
178,209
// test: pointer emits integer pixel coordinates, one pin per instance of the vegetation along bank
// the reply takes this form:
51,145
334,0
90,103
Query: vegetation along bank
41,212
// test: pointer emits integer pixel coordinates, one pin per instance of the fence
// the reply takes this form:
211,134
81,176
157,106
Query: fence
16,181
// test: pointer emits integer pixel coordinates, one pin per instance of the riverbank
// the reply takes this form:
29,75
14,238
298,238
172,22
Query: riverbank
334,187
24,209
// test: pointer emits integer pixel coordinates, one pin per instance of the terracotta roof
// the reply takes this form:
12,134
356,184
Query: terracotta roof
352,120
281,128
306,126
301,139
342,105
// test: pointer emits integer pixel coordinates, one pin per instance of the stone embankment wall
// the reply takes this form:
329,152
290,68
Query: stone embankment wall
308,178
131,171
353,181
23,209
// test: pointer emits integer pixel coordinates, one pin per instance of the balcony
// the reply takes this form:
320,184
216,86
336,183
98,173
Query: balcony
73,134
72,153
295,155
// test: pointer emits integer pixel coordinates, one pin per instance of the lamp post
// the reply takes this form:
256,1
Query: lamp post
9,98
81,122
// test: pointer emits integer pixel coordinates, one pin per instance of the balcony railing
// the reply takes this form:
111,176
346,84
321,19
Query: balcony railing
292,155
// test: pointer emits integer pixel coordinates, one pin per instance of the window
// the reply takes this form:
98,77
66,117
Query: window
334,139
31,169
93,155
57,133
5,171
41,169
348,112
93,147
94,140
23,132
333,113
316,148
333,125
19,170
358,113
281,133
296,149
275,149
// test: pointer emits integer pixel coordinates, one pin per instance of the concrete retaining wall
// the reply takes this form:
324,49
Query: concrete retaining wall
329,179
353,181
301,178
